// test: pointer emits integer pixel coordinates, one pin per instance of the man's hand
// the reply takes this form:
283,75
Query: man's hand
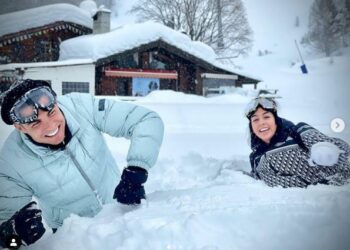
26,223
130,189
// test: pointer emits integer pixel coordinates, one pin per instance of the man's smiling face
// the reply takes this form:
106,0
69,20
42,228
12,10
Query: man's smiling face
49,128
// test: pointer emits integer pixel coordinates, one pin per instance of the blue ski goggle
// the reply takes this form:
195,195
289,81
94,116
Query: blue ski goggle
26,109
268,104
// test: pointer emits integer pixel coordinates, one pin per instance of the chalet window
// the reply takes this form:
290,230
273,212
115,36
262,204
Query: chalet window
19,51
45,50
68,87
125,61
155,64
42,49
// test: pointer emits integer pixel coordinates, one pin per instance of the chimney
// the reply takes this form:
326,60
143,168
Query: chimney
102,21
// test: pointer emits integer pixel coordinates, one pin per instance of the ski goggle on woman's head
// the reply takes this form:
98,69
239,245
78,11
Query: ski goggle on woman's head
265,103
26,109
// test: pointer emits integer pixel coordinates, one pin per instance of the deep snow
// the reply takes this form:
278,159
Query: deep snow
198,197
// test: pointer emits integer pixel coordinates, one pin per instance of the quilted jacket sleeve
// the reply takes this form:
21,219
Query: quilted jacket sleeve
142,126
13,193
310,136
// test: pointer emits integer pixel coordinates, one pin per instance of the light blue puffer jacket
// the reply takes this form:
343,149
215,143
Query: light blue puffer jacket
54,177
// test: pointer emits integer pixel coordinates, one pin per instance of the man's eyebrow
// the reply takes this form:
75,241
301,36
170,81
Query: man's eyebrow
31,123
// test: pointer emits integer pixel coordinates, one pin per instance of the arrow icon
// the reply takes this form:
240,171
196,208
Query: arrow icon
337,125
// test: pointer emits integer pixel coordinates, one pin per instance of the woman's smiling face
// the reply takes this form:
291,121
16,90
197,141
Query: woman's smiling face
263,124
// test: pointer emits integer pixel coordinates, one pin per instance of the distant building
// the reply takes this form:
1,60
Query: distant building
173,67
130,60
34,35
154,51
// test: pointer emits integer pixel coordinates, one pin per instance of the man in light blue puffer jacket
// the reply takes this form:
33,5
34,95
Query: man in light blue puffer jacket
58,154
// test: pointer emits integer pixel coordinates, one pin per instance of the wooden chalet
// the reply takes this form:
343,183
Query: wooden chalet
176,70
38,44
39,41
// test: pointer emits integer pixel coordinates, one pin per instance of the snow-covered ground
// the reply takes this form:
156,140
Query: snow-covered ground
197,196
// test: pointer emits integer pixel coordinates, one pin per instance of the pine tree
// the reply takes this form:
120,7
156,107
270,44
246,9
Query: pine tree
324,27
345,22
341,17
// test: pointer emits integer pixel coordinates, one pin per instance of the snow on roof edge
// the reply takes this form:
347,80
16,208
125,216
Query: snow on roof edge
68,62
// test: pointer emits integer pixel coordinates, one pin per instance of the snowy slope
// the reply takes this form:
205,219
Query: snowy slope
273,24
317,97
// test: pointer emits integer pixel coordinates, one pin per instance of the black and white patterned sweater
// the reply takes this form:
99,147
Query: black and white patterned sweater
284,161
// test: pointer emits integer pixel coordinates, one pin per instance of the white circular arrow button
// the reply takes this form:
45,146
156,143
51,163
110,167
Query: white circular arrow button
337,125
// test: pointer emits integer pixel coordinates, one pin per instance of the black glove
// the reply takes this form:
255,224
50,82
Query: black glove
26,224
130,189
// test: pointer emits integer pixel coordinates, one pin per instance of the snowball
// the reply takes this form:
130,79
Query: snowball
324,154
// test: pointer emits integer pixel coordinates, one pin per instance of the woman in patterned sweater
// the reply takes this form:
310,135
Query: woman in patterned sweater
281,150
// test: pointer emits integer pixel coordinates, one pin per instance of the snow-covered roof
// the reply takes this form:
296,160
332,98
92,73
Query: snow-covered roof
131,36
70,62
37,17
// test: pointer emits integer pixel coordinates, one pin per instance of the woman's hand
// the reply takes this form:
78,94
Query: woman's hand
324,154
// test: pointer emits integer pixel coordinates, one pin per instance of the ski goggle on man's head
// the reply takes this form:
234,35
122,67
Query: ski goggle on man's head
265,103
26,109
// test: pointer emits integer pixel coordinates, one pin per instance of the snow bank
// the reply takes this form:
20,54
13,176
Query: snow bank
170,96
227,211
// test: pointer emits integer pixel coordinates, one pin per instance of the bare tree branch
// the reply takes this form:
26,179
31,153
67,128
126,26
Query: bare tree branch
199,19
